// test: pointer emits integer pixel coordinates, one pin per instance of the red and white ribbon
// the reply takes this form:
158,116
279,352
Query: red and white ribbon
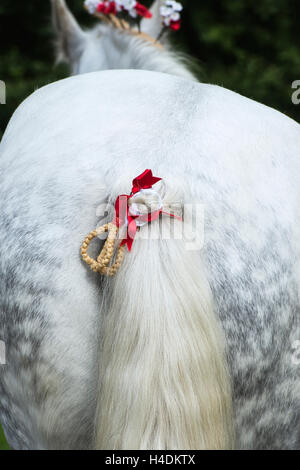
128,215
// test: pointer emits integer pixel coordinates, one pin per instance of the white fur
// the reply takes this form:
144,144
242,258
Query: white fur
73,166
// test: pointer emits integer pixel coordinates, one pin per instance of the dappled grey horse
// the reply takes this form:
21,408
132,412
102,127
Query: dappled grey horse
140,361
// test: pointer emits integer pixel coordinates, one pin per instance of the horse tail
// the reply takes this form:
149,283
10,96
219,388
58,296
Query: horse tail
164,382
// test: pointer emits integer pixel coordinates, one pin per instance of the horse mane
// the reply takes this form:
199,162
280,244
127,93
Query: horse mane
128,51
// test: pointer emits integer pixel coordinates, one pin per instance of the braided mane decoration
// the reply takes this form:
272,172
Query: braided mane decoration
123,25
107,11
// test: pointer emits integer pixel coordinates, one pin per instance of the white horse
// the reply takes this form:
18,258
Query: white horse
138,362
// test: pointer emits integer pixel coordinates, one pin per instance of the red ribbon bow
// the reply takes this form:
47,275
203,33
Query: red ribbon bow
122,214
145,181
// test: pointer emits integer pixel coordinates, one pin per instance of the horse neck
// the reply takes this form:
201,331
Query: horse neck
162,61
128,51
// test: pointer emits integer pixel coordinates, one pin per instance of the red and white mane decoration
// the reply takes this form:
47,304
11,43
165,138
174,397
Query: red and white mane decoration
170,11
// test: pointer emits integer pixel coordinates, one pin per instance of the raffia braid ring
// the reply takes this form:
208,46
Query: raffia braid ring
103,264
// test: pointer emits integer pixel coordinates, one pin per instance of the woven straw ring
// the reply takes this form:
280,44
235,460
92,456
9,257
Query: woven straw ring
103,264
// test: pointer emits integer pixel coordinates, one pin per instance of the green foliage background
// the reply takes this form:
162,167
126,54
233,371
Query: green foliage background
249,46
3,443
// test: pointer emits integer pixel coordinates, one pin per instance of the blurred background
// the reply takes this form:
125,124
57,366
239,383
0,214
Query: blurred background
251,47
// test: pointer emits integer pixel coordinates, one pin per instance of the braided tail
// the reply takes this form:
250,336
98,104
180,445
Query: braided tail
164,382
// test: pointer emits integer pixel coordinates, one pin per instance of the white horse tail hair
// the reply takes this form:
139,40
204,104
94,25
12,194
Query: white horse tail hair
164,382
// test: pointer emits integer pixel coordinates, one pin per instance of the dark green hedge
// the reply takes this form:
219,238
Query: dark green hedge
3,443
248,46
